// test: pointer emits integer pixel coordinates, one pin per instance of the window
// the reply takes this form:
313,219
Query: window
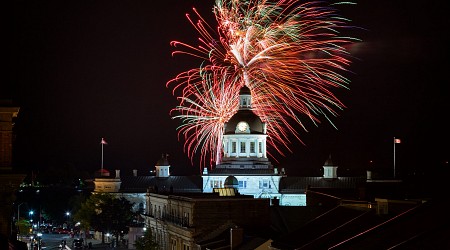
260,147
216,184
242,184
252,147
242,147
186,246
264,184
233,147
173,244
186,219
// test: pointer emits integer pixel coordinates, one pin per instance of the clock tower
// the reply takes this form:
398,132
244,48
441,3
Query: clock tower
244,155
245,135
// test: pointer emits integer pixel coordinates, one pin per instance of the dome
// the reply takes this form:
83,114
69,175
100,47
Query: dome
255,124
231,181
244,91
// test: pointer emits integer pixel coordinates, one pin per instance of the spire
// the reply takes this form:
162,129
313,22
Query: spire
163,161
328,162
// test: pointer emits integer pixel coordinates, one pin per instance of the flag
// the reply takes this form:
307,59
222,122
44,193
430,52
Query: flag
397,140
103,142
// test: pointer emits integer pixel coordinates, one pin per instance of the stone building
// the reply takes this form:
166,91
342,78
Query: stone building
9,180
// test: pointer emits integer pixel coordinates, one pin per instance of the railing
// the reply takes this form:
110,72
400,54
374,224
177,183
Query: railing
179,221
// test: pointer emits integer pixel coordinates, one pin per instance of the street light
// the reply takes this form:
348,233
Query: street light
67,214
31,215
17,219
18,210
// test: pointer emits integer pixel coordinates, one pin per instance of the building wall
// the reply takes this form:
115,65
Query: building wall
266,186
293,200
107,185
7,114
9,181
177,221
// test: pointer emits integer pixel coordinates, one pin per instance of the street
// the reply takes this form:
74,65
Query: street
53,241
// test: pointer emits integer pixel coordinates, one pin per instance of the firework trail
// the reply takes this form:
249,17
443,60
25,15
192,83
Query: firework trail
288,53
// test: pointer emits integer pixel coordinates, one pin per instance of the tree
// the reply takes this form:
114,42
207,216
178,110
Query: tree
86,212
105,213
23,226
146,242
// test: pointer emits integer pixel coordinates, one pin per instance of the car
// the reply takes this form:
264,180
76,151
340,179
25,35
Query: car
78,244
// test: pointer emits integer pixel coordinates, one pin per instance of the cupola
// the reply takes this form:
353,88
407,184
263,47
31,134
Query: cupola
329,169
163,166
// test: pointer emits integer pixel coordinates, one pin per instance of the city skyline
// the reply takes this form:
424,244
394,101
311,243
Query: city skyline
86,71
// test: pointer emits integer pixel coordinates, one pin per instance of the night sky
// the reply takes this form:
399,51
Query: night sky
83,70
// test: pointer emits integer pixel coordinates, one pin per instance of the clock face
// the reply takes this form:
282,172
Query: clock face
242,126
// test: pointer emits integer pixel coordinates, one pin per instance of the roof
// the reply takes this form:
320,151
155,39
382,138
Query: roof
300,184
140,184
329,162
237,172
419,226
163,161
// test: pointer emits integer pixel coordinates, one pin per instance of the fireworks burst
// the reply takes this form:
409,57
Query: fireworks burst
288,53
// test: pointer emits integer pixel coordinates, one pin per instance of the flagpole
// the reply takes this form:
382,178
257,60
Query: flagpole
102,157
394,156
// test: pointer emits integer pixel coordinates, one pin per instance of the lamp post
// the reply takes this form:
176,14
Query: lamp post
18,210
18,219
68,215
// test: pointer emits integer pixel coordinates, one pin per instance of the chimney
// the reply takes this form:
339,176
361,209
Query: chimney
117,174
134,172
